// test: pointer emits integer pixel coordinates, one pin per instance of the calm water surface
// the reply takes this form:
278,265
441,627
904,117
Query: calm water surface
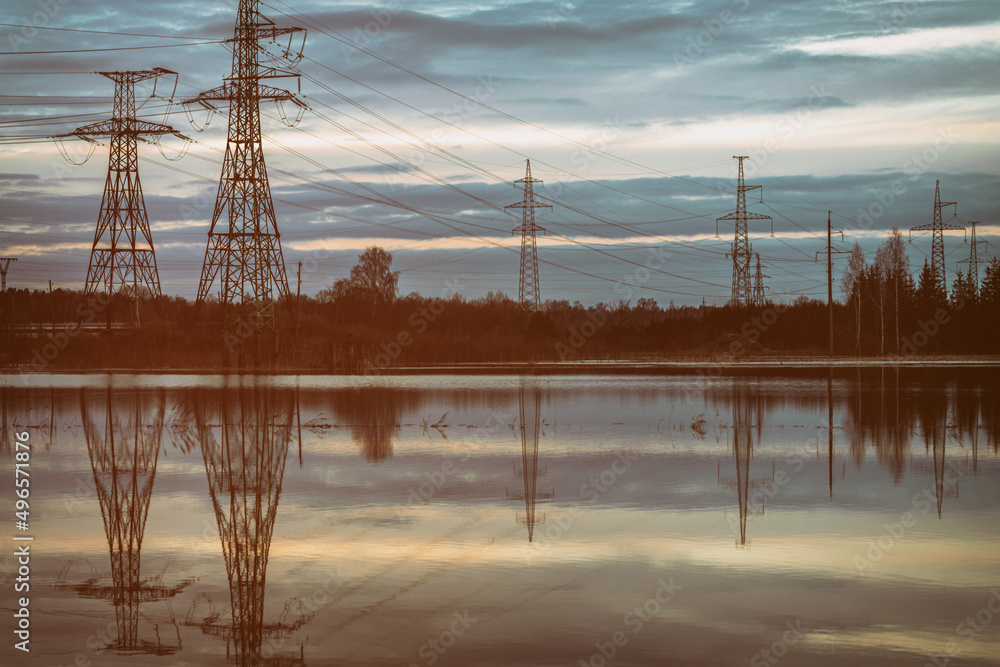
841,519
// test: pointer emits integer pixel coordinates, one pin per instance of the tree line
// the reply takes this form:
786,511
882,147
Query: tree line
361,324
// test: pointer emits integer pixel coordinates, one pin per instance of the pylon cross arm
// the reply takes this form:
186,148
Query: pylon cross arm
227,92
269,32
528,204
108,128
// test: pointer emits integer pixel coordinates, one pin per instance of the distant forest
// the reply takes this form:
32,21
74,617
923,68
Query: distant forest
360,324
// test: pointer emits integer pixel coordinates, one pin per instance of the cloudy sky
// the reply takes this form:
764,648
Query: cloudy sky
421,118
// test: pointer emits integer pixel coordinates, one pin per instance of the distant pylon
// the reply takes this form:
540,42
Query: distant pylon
529,291
244,245
759,298
937,242
122,258
4,265
973,261
742,250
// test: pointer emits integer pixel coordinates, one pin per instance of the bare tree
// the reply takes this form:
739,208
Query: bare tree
851,286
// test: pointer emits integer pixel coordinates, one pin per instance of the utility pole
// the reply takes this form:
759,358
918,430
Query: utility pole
742,250
122,258
937,229
4,265
52,309
973,261
244,245
298,307
830,252
529,290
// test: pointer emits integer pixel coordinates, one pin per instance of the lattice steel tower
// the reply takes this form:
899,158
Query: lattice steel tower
4,265
759,297
742,250
122,258
244,246
937,242
529,290
123,455
245,466
973,261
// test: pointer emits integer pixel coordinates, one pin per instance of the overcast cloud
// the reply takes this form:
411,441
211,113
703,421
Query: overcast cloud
855,107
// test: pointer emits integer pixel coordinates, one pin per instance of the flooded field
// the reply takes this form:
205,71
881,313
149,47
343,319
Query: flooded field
844,517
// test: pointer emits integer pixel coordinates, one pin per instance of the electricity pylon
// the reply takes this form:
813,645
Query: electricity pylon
244,245
123,456
245,466
742,250
759,298
747,405
4,265
530,410
937,242
973,261
122,258
529,290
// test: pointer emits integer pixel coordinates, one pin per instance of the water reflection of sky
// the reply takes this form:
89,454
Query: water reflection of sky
410,500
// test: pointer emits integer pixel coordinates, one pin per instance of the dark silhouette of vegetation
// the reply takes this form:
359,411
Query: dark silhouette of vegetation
361,325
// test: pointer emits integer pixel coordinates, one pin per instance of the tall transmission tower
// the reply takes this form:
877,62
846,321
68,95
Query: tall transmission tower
4,265
245,466
747,405
937,242
529,290
123,455
244,246
759,298
122,258
973,261
742,250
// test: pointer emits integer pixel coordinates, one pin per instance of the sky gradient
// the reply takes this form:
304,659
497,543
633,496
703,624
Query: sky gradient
630,112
